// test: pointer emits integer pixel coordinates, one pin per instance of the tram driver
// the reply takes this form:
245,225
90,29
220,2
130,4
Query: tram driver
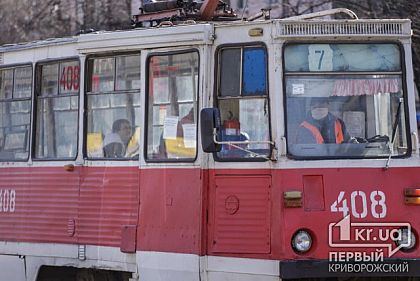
321,126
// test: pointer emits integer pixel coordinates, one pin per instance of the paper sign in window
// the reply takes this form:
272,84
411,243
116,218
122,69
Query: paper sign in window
320,57
170,126
190,135
298,89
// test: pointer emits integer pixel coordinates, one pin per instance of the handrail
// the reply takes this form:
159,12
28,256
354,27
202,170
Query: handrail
325,13
236,144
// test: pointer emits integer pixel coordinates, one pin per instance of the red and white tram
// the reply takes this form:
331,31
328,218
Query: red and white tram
104,174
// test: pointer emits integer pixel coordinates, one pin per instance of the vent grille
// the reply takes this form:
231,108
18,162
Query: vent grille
343,28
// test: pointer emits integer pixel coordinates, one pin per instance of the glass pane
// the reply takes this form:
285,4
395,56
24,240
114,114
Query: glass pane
230,72
14,130
160,87
56,128
69,78
186,88
102,76
342,86
23,82
49,82
244,120
113,129
172,127
345,116
128,72
255,72
6,83
342,57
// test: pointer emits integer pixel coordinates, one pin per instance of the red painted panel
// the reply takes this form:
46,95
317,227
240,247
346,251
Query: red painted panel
108,201
171,210
49,207
240,217
391,182
313,190
46,201
128,239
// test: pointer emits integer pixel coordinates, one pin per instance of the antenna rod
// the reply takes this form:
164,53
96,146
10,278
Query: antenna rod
243,11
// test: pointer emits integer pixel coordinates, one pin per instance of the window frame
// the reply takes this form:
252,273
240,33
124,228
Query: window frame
28,133
404,88
197,110
87,85
38,89
217,96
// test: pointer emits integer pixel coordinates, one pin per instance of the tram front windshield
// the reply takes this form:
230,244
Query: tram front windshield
345,101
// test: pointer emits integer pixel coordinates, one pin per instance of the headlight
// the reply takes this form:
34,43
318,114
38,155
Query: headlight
408,239
301,241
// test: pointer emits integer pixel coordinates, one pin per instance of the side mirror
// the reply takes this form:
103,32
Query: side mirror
210,123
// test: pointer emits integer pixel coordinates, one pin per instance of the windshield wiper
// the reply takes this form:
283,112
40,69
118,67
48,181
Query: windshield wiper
394,132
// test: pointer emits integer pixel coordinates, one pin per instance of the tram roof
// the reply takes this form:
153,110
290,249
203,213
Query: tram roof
283,27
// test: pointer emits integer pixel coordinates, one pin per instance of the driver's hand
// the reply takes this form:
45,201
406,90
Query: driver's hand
357,140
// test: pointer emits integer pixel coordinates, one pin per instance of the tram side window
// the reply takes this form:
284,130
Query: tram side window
57,107
113,105
345,101
172,107
242,99
15,112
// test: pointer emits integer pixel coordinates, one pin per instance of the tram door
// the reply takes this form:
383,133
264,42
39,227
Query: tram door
240,178
170,186
109,186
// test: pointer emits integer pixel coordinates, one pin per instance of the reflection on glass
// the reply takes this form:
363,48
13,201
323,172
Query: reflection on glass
160,86
56,129
342,57
20,107
186,88
23,82
255,72
15,115
113,128
243,102
128,72
230,72
333,115
118,100
102,76
14,130
6,83
244,120
366,107
49,80
172,95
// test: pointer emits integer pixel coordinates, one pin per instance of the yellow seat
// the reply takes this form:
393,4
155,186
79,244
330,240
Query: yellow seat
176,149
133,144
95,145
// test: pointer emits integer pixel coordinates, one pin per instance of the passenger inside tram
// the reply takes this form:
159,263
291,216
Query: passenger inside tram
116,143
